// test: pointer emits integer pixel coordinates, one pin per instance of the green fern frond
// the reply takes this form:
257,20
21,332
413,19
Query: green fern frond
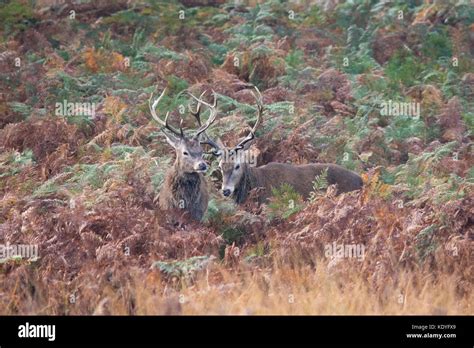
320,183
285,202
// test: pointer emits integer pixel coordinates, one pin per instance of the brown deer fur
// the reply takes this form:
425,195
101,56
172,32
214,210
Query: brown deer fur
300,177
186,191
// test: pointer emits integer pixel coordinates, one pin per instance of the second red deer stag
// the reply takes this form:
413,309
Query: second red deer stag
239,177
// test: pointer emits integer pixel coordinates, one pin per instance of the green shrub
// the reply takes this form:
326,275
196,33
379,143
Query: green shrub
436,45
285,202
12,163
403,68
16,16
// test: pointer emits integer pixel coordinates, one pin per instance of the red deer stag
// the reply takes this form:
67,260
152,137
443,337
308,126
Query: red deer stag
239,176
184,186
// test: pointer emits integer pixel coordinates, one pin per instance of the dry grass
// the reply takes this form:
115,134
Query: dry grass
287,291
274,290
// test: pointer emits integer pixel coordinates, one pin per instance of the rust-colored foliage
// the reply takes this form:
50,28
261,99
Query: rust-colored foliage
42,135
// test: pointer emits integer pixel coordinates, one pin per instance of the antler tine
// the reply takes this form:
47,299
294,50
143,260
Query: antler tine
203,102
197,113
159,120
242,143
202,129
217,149
259,109
212,116
251,135
181,128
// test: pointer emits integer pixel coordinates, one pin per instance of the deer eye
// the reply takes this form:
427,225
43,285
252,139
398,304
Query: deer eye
185,153
237,167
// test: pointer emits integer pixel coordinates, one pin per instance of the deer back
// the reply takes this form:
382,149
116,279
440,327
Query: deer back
301,177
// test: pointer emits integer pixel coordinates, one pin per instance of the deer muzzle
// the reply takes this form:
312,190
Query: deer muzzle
200,166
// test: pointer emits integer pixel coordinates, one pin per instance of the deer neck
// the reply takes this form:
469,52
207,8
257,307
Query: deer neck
246,184
186,183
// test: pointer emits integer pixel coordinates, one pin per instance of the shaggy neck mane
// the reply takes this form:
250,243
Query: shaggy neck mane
247,183
186,185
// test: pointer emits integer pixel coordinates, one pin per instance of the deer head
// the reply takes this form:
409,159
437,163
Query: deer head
189,153
232,161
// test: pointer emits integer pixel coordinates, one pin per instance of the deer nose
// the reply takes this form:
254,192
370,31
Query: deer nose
202,166
226,192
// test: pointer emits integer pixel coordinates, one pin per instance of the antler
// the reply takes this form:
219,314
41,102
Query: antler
251,135
196,113
159,120
217,149
202,129
212,116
